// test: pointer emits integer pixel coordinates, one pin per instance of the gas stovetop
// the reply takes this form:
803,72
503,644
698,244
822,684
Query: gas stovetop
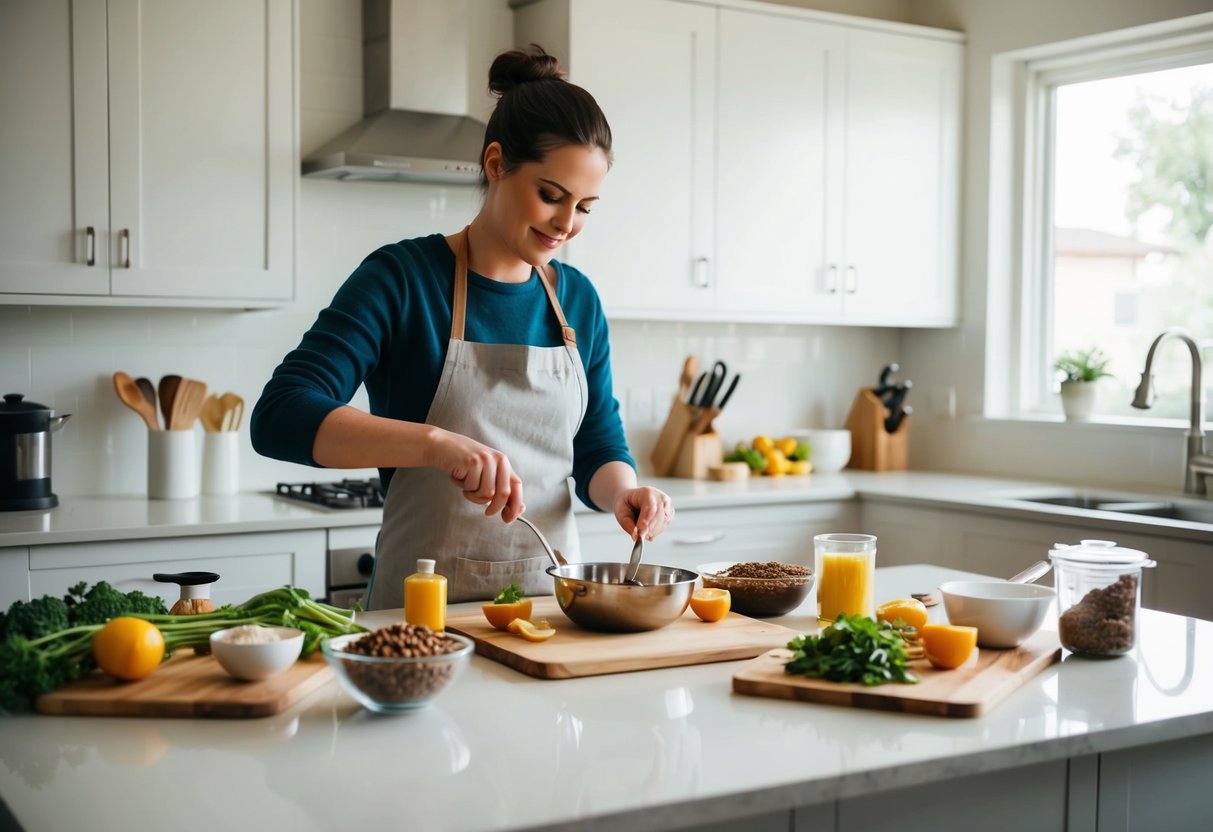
343,494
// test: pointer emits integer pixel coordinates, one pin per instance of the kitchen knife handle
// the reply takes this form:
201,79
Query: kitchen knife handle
90,246
124,241
700,272
832,278
850,280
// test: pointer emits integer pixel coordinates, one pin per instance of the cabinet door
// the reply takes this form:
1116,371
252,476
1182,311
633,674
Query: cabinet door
202,149
650,65
775,75
901,165
54,200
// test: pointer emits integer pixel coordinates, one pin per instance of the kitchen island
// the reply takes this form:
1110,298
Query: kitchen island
1125,743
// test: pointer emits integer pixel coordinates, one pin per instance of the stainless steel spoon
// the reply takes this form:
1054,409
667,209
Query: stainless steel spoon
634,563
557,558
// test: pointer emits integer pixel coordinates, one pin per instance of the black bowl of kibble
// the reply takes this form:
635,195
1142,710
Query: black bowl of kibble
397,668
760,588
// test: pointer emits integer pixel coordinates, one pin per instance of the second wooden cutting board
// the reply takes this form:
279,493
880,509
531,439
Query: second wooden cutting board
969,690
577,652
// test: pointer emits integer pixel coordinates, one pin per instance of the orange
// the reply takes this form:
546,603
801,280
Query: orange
947,645
910,610
531,631
500,615
711,604
128,648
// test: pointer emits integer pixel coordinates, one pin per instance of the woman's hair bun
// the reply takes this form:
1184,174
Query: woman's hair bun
522,66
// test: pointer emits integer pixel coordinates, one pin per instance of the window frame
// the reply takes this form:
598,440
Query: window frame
1020,247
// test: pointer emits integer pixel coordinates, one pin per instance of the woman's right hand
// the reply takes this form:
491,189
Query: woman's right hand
484,474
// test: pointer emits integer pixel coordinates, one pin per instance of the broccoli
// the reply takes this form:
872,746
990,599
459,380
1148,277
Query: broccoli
103,602
35,618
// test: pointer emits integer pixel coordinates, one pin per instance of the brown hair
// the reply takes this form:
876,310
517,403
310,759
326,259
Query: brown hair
538,110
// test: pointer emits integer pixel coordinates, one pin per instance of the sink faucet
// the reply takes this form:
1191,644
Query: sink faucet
1197,463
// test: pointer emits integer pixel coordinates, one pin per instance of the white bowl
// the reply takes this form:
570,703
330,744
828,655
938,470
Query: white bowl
1005,614
830,450
252,662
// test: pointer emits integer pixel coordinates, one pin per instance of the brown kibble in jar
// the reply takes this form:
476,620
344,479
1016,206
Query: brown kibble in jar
1102,623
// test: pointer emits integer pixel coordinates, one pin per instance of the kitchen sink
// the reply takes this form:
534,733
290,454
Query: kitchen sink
1166,509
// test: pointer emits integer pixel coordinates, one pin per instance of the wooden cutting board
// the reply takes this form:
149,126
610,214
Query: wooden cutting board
187,686
577,652
968,691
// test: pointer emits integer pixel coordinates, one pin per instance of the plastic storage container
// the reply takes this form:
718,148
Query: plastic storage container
1098,596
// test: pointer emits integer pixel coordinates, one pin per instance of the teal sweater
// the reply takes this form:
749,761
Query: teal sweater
388,327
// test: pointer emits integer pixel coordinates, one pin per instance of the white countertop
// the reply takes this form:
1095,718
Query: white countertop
647,750
92,518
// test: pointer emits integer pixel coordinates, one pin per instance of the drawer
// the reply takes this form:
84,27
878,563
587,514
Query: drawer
247,564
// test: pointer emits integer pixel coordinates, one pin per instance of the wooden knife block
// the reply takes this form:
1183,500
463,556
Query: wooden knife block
688,444
872,447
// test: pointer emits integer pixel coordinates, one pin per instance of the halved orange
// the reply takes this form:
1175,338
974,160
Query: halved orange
500,615
910,610
948,645
711,604
531,631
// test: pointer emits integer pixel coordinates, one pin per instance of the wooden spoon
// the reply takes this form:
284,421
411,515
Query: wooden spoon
233,411
168,394
130,395
149,394
212,414
187,403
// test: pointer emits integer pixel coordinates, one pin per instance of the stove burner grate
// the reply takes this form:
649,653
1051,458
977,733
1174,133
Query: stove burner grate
343,494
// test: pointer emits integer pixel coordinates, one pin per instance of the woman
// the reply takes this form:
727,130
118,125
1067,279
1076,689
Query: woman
481,389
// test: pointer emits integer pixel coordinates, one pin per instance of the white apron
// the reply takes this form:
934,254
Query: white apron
526,402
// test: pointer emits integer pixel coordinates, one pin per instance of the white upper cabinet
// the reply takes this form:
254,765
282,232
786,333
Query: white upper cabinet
153,152
650,64
771,164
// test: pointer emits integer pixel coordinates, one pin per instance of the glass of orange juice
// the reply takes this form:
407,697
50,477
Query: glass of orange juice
846,574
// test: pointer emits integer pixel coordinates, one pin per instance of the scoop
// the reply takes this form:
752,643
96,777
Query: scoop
557,558
634,563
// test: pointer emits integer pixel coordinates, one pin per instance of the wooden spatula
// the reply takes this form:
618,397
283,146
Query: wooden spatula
187,403
168,394
212,414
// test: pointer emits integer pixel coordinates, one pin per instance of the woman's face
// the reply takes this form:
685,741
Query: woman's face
542,205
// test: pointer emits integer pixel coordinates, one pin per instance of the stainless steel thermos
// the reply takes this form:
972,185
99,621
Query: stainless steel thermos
25,454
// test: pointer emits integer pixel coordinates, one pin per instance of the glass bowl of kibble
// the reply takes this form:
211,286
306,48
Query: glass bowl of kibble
397,668
760,588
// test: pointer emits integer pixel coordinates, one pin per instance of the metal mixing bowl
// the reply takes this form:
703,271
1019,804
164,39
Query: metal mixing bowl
594,596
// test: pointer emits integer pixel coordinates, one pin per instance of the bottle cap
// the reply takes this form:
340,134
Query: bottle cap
425,565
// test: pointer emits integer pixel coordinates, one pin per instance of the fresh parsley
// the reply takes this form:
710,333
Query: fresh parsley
510,594
852,649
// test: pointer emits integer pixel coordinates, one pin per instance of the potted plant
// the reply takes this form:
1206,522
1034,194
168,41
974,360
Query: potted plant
1080,370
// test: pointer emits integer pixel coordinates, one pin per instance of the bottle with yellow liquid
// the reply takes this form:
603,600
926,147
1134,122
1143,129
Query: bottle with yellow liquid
425,597
846,574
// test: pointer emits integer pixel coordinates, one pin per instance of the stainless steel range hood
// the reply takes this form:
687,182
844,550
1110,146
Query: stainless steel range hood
425,69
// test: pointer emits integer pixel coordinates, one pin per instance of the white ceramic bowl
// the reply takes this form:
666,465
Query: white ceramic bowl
1005,614
252,662
830,450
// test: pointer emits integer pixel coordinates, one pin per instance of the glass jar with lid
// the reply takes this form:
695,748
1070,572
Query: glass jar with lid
1098,596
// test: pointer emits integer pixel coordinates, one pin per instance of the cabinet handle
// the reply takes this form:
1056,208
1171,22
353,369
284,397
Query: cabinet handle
124,241
850,280
699,539
90,246
832,279
700,271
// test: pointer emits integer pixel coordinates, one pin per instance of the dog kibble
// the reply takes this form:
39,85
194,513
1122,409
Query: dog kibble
400,682
1102,623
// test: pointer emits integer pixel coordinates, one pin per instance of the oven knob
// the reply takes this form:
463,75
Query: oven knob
366,564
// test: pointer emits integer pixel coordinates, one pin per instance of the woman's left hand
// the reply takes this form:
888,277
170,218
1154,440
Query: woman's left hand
644,511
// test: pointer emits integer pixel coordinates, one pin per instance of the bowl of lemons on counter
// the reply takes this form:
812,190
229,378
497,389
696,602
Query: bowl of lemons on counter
768,456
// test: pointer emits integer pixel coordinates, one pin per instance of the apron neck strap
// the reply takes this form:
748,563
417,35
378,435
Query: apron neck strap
460,302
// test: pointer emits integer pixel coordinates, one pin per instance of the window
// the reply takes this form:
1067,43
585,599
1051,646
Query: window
1118,219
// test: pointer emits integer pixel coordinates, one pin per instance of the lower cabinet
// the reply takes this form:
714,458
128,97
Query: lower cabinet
246,563
753,532
14,575
999,545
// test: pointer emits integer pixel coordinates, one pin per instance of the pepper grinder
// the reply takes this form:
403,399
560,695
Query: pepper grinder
195,594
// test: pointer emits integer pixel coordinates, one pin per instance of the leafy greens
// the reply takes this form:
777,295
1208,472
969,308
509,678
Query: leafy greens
852,649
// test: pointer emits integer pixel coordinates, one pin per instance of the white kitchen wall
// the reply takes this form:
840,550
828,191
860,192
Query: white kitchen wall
65,357
944,360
